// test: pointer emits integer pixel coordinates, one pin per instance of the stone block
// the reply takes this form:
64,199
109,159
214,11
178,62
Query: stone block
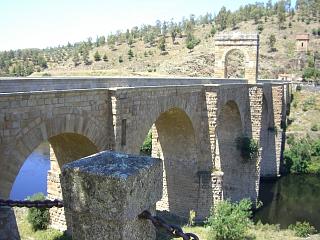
104,194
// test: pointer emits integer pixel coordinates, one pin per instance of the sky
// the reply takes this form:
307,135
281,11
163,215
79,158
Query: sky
49,23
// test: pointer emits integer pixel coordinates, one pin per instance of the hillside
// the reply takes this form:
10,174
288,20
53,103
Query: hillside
137,52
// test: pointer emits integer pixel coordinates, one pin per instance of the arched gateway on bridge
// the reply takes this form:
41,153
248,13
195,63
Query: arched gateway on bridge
248,44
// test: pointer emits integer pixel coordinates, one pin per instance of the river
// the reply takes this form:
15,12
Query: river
289,199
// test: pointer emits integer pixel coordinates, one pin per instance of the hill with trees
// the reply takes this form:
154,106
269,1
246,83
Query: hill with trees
184,48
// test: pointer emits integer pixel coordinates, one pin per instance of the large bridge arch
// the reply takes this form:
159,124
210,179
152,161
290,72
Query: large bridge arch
38,131
246,43
71,137
174,142
229,128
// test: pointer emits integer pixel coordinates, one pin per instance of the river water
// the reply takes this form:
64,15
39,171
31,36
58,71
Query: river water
289,199
32,177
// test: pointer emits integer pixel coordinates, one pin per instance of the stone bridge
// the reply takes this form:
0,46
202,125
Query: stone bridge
194,123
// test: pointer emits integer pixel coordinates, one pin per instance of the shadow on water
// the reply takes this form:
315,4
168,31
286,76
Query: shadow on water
290,199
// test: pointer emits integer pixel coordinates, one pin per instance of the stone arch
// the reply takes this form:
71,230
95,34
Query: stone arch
40,130
246,43
226,56
174,142
268,165
229,128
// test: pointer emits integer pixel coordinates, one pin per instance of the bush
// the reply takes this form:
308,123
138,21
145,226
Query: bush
97,56
314,128
230,221
38,217
146,147
249,147
302,229
297,158
260,28
298,88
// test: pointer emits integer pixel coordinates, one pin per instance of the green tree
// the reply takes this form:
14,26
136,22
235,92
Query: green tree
38,217
85,57
271,42
105,58
162,44
111,41
222,18
76,59
130,54
281,13
191,41
213,30
97,56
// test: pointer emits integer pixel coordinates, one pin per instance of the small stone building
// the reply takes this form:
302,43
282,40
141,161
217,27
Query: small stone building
302,42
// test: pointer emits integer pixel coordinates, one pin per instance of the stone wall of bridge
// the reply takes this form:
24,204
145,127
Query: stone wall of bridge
194,132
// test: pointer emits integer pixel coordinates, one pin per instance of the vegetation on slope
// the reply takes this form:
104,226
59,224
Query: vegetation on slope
182,48
302,154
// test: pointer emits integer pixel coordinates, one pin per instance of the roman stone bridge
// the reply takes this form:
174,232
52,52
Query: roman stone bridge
194,122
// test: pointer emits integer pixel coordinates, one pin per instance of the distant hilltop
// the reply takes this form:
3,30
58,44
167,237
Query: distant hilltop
186,48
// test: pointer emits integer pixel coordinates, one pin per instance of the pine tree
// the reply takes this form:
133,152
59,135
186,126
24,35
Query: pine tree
85,57
130,54
162,44
105,58
76,59
272,42
97,56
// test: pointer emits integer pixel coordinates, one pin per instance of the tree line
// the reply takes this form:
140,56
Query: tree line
25,62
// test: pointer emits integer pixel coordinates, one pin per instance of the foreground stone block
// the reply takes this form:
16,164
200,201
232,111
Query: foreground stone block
104,194
8,225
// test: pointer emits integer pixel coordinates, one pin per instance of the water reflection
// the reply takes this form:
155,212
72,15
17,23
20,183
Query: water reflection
292,198
32,177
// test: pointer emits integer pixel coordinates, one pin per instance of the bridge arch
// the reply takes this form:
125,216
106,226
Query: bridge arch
174,142
231,163
241,66
68,128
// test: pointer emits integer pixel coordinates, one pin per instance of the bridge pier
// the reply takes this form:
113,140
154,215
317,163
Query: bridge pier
8,224
57,216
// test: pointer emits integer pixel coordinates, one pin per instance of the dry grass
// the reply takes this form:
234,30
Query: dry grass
305,113
180,62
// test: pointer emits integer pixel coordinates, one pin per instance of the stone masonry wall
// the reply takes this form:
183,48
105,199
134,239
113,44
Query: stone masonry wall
194,128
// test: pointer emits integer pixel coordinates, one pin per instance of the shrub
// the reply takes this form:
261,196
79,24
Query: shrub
38,217
230,221
298,88
298,156
302,229
260,28
146,147
97,56
249,147
120,59
314,128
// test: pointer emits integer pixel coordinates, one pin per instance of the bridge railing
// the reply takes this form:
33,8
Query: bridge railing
8,85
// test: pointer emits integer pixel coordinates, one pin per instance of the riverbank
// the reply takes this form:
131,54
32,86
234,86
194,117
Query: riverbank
257,232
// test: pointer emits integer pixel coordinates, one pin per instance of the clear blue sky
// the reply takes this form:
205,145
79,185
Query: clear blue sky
43,23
